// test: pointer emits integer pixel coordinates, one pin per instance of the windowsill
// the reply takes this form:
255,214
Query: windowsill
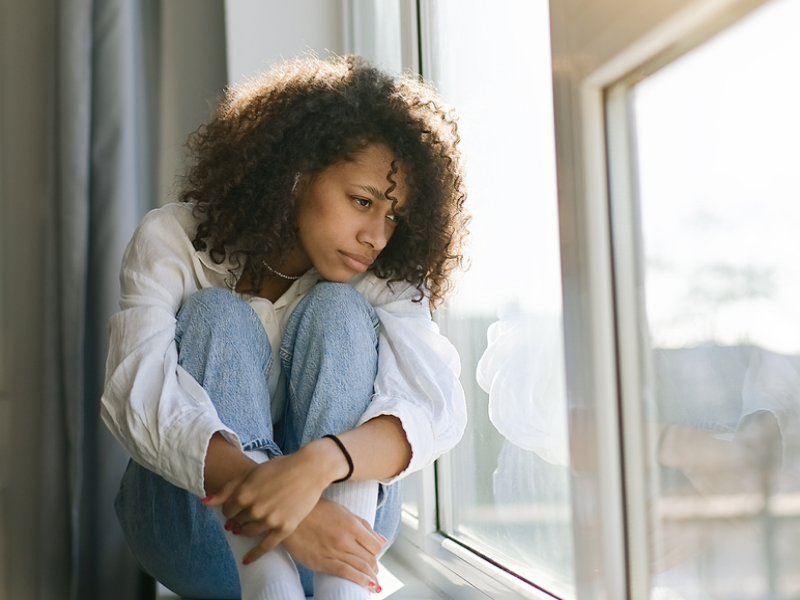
398,583
431,567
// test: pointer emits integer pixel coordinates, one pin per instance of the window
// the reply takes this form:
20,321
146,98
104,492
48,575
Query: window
631,342
715,152
504,491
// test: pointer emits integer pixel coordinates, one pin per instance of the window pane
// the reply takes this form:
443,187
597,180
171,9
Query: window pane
504,491
717,143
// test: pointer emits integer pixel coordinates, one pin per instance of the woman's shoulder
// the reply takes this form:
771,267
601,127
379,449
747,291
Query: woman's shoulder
165,231
381,293
177,217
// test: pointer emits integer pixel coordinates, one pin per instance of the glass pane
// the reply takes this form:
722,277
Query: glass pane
717,143
504,491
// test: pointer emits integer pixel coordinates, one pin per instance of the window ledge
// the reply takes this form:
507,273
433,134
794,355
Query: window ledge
408,572
398,583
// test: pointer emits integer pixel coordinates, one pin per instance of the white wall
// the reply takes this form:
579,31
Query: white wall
193,77
260,32
208,43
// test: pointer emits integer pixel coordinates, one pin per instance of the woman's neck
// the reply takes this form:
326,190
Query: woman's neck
276,280
272,286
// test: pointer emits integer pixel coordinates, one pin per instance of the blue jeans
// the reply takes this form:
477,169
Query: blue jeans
329,355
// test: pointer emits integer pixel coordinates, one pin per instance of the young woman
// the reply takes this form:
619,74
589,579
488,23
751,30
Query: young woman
274,371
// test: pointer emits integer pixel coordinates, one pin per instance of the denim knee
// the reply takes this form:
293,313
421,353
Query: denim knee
330,356
337,302
344,299
216,313
208,305
224,347
329,314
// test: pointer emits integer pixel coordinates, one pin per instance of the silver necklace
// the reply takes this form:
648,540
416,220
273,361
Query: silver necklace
279,274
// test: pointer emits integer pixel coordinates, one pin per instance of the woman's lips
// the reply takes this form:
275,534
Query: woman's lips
357,262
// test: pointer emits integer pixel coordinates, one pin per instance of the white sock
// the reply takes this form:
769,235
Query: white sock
271,577
360,498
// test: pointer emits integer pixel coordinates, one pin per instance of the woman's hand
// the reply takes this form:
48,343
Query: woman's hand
333,540
274,497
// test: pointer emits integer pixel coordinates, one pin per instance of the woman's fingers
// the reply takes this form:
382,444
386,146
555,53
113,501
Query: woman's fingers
373,542
274,496
333,540
362,574
223,495
251,529
267,543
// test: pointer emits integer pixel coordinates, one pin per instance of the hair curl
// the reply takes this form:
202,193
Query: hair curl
303,116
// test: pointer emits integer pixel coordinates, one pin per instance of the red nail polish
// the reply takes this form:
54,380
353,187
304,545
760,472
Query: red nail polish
228,525
374,587
235,530
381,538
208,498
246,561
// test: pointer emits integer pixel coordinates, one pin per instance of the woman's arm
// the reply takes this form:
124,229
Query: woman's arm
379,450
417,413
418,373
157,412
277,496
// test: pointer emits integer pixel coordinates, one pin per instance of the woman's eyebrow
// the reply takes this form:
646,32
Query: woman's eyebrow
373,191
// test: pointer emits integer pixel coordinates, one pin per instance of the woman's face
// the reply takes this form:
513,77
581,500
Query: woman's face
343,217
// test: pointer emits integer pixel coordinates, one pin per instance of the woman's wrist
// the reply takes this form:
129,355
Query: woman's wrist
327,459
224,462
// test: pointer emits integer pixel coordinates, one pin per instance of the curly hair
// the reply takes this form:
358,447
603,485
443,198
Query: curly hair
308,114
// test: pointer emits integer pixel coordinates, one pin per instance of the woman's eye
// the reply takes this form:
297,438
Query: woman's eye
394,218
362,202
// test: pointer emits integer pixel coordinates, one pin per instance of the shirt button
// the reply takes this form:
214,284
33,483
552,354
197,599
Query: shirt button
268,318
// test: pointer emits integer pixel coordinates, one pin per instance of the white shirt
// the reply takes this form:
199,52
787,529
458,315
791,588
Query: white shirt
165,419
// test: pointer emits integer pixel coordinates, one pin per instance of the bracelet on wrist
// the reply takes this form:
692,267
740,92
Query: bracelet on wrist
346,456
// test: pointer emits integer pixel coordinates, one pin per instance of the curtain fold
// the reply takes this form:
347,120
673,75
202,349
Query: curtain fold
102,150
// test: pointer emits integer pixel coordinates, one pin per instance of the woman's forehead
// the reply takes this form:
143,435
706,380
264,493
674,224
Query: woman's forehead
375,170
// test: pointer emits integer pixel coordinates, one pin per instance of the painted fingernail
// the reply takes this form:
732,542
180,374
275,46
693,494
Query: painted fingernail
246,561
235,530
208,498
374,587
382,539
228,525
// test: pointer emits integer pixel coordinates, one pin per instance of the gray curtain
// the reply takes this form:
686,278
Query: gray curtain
103,153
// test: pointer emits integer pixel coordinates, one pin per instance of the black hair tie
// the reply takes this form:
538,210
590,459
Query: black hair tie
346,455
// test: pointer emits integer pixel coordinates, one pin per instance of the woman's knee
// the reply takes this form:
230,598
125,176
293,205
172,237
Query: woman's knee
217,311
333,319
208,303
337,305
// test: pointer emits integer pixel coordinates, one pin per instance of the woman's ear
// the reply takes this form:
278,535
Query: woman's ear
302,179
297,177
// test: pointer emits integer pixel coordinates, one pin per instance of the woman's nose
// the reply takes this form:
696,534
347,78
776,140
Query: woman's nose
375,233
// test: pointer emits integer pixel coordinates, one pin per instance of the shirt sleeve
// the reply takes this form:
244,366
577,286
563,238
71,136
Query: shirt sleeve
418,374
154,408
